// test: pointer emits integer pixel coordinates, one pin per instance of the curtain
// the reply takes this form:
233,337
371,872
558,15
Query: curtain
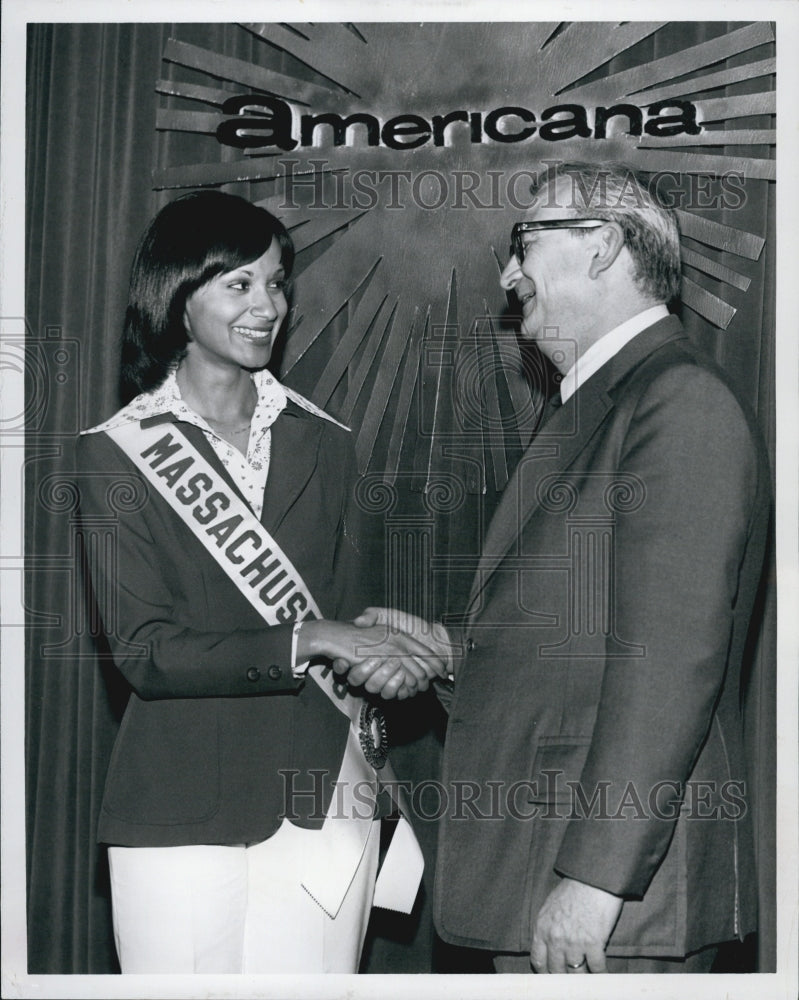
92,145
90,122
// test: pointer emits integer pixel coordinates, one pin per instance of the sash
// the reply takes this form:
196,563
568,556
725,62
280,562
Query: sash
180,474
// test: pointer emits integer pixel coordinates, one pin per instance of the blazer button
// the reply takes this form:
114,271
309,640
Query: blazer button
470,644
253,674
275,672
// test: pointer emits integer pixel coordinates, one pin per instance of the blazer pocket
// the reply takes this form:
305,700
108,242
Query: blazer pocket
557,766
164,769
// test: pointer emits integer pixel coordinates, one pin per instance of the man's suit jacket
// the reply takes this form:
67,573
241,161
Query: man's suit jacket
215,714
604,642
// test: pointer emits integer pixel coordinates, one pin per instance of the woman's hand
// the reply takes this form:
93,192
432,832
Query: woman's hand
436,660
385,661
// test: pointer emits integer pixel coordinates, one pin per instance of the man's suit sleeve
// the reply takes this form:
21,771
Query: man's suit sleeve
677,559
137,592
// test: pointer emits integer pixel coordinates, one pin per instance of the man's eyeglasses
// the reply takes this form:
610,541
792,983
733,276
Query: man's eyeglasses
517,246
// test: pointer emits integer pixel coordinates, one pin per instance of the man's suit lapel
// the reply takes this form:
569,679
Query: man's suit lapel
555,448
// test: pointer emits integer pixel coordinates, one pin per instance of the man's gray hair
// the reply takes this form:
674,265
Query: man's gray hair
617,193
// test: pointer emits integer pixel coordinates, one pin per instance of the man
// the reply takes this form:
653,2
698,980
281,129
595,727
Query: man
597,812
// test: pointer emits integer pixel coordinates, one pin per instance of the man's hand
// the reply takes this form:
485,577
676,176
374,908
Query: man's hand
383,660
573,928
431,635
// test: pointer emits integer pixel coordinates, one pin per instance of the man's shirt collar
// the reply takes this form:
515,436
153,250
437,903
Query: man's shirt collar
607,347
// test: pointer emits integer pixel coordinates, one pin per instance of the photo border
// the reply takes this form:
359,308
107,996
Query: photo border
16,982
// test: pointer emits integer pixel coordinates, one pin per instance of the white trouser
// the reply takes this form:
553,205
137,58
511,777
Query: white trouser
235,909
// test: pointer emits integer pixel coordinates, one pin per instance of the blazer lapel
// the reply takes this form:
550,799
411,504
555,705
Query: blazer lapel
293,457
558,444
553,450
296,437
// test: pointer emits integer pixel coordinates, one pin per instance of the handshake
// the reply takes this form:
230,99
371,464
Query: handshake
388,652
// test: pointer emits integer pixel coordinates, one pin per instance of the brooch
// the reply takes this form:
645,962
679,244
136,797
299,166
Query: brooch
373,736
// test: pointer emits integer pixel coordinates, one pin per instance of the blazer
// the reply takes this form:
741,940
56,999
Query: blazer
595,727
218,738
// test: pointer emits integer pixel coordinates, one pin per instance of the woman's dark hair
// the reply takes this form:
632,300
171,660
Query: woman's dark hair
190,241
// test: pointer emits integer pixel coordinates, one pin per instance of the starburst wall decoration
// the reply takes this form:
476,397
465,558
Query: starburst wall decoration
398,155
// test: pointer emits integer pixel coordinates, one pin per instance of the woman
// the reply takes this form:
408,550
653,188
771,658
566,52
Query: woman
221,777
